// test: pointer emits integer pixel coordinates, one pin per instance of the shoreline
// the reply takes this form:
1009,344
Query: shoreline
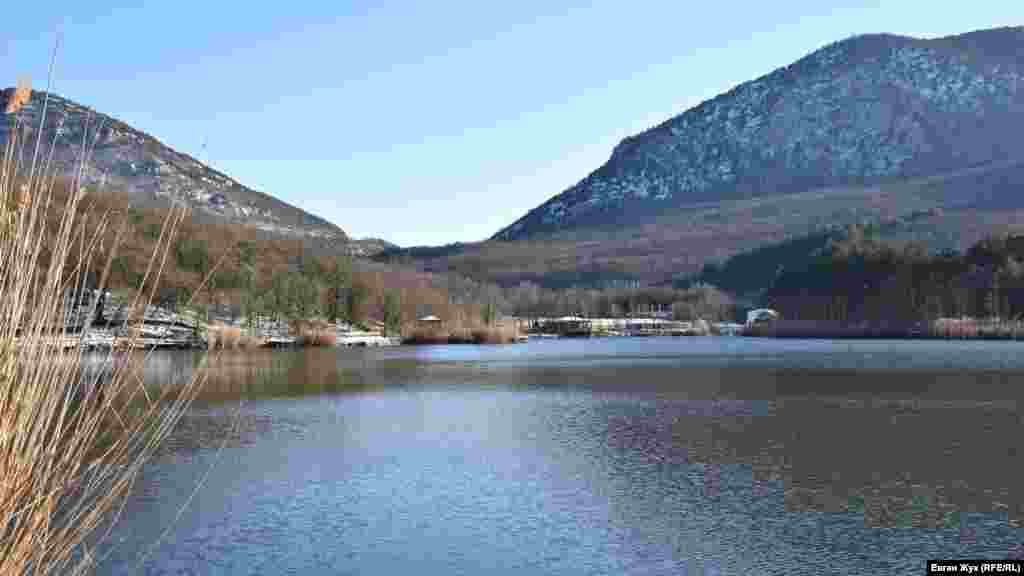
943,329
105,340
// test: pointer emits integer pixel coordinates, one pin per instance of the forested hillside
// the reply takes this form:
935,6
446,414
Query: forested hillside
235,270
860,277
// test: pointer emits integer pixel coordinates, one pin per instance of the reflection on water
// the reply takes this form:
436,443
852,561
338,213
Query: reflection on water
653,456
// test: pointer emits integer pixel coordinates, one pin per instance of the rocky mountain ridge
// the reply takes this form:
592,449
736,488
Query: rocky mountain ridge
868,110
122,158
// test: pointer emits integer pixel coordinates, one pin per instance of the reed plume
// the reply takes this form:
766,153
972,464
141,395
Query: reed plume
19,97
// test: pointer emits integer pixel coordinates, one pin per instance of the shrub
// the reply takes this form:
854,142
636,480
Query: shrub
315,334
192,254
392,312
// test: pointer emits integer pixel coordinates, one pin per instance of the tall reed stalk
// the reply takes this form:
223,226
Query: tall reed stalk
59,484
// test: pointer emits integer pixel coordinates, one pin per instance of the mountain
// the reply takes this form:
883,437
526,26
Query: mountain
868,111
921,138
369,247
131,161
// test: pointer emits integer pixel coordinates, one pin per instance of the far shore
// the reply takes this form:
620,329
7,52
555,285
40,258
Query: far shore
227,336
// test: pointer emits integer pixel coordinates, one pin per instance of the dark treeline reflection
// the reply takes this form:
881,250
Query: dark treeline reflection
254,374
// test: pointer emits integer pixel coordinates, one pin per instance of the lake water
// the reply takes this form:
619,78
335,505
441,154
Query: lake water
612,456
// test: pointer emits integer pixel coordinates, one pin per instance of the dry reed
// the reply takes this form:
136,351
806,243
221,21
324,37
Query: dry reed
945,328
461,331
311,333
71,441
221,337
19,97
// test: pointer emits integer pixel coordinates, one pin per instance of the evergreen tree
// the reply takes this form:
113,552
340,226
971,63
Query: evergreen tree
488,313
357,296
339,281
392,312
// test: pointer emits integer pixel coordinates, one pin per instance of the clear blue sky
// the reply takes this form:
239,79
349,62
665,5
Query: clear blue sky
434,122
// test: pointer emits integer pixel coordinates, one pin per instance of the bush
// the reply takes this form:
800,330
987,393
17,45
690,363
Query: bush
193,255
316,334
151,231
228,279
224,337
461,332
392,312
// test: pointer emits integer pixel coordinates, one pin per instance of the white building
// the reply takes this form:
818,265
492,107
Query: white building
761,315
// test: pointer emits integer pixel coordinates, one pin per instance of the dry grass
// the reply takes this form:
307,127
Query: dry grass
221,337
247,340
461,331
950,328
313,333
969,329
71,441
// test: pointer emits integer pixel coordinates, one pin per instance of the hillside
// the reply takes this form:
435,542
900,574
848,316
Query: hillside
860,278
152,175
246,271
947,212
919,136
238,251
868,110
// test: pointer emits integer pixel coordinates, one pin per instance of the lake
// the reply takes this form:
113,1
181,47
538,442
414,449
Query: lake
602,456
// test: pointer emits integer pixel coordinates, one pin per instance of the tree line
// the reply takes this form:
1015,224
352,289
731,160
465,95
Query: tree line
862,277
697,301
220,269
308,287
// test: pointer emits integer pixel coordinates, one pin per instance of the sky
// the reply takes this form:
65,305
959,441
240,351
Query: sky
427,123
